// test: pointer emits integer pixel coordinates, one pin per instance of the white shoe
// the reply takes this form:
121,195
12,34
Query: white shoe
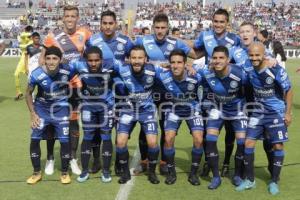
49,168
74,167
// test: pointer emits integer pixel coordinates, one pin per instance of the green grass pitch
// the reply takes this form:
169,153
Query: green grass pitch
15,165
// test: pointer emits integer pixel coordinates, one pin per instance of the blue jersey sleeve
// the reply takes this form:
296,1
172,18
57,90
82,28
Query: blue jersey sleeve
282,79
129,46
139,41
199,43
74,68
158,71
183,46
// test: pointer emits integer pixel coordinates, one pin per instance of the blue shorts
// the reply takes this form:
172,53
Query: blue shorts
128,120
216,121
271,128
94,120
58,118
173,122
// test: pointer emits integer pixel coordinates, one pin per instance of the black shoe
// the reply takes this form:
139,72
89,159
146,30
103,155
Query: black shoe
205,170
18,97
163,168
95,168
225,170
124,177
171,177
153,178
194,179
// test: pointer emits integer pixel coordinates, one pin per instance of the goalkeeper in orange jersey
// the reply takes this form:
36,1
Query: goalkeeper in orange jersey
24,40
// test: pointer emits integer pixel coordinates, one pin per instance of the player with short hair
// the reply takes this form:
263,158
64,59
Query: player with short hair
32,53
183,105
207,41
158,47
49,108
270,117
71,40
226,83
97,103
114,45
138,78
146,31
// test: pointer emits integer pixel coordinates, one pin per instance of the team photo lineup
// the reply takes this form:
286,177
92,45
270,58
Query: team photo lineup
89,89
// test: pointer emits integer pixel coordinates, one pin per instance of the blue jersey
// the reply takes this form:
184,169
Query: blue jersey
159,52
116,48
96,87
269,86
207,41
239,54
139,86
51,89
227,91
184,94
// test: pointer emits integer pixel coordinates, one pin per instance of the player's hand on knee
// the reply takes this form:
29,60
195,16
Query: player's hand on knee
35,120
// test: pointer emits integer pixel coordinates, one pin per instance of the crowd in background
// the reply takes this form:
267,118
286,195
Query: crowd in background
282,21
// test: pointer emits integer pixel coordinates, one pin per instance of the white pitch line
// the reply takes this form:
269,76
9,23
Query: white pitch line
125,189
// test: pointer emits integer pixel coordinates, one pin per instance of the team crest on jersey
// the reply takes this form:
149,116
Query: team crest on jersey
269,80
64,78
233,84
191,86
170,47
120,47
149,79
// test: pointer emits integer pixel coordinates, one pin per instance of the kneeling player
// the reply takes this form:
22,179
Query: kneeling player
271,115
50,108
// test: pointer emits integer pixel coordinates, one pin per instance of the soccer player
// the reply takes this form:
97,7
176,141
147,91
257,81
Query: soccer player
270,117
24,40
71,40
50,108
138,78
184,105
207,41
226,82
158,47
32,53
114,45
97,107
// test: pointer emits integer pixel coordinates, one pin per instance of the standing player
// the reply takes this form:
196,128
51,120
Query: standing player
24,40
158,47
270,117
71,40
183,106
50,108
138,78
97,107
226,82
114,45
207,41
32,53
